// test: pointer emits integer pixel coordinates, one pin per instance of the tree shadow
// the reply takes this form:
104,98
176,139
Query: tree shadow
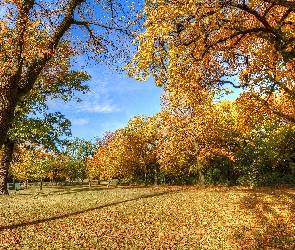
38,221
274,226
61,190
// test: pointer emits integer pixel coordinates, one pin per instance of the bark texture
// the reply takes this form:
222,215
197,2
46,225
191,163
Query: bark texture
5,163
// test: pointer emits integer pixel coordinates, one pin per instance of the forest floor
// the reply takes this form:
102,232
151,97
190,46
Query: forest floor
80,217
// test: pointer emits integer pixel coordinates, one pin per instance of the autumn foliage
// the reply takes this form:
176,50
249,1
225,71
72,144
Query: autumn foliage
210,142
198,51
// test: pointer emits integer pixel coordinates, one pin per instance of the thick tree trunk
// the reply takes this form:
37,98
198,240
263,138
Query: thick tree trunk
8,101
5,163
9,97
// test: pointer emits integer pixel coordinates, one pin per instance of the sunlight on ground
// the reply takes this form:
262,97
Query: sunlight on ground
148,218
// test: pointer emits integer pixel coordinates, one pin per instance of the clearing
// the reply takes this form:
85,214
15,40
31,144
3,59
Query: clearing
79,217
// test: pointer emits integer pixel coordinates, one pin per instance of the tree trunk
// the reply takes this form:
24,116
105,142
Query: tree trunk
8,100
145,178
13,84
41,184
9,97
5,163
156,175
201,178
199,166
200,173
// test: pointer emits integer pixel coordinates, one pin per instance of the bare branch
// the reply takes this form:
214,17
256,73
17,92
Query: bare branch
95,38
83,23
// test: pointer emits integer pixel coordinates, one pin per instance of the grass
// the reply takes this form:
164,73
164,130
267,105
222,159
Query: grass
79,217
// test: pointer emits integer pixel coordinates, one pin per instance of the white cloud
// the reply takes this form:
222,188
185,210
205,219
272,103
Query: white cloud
79,121
95,107
110,124
103,109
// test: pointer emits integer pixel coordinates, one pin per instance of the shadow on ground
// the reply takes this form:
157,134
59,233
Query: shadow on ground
38,221
274,214
60,190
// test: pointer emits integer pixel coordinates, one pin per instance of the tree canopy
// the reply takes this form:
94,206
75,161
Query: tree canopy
213,44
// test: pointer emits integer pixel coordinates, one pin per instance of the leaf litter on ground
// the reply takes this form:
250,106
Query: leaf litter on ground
148,218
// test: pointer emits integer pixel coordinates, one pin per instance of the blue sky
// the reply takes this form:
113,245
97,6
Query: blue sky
114,99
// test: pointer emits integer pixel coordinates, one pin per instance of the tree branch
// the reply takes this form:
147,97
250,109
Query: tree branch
95,38
241,32
260,18
272,109
289,11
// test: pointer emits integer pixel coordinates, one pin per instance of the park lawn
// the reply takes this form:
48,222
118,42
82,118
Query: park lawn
98,217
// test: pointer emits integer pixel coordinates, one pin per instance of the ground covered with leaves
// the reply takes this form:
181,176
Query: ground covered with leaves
80,217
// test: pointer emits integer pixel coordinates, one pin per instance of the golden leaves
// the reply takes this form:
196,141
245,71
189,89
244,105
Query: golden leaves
209,45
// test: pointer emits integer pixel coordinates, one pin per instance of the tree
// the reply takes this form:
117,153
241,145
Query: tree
128,151
142,137
110,158
207,45
58,163
32,122
34,33
193,133
33,164
78,151
265,153
95,164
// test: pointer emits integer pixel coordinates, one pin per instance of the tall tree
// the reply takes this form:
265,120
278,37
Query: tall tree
33,33
36,35
143,137
208,44
128,150
193,133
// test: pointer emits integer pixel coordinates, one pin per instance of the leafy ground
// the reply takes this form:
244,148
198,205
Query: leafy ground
148,218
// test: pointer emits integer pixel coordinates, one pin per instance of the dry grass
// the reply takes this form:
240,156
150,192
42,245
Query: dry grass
148,218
